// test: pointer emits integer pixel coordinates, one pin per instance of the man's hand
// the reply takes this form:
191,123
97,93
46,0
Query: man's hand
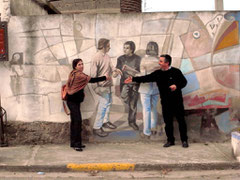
124,67
117,72
128,80
173,87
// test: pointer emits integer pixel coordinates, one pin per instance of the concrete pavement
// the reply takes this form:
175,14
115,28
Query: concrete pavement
117,156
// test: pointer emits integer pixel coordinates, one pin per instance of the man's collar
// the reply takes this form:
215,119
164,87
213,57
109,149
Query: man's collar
167,69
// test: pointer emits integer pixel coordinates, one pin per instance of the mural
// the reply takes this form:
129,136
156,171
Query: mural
204,45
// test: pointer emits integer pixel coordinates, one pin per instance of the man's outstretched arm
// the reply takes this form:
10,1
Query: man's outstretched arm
142,79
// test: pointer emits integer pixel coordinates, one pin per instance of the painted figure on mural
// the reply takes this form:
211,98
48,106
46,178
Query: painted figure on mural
102,65
170,81
129,64
149,93
75,88
208,123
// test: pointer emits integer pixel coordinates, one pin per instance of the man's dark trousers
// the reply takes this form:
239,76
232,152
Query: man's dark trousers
169,110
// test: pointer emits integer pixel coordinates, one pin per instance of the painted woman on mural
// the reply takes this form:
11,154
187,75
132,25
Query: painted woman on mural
75,88
149,93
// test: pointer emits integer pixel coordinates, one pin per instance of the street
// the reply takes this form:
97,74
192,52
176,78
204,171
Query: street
164,174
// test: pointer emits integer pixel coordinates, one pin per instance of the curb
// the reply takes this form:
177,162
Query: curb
102,167
34,168
189,166
120,167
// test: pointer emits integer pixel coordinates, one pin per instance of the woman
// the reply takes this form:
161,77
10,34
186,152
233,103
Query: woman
75,88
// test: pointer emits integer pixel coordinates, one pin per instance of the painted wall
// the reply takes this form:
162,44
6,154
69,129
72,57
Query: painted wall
204,45
5,10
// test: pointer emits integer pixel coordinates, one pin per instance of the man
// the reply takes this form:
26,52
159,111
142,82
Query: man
101,66
129,92
170,81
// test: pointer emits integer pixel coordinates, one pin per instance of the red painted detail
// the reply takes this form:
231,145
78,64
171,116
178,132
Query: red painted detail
2,48
219,98
196,100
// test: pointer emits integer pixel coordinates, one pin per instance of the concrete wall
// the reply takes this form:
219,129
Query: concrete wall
26,8
204,45
89,6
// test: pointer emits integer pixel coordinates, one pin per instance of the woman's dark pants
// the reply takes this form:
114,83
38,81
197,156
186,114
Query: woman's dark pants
76,124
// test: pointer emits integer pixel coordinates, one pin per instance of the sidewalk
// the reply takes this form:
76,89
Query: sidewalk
132,156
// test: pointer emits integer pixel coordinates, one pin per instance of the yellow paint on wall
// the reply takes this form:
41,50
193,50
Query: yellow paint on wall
102,167
230,39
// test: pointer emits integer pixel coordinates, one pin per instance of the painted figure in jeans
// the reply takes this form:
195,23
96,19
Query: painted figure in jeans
170,82
149,93
102,65
128,64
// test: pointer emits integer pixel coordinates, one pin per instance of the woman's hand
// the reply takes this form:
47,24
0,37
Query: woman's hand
108,78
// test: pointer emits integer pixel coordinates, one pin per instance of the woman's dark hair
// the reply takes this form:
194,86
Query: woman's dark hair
152,49
75,62
131,44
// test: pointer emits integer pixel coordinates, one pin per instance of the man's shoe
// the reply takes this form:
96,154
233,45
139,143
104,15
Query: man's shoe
77,145
168,144
134,126
144,136
78,149
185,144
100,132
109,125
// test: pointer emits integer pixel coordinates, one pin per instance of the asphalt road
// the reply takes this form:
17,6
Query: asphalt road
164,174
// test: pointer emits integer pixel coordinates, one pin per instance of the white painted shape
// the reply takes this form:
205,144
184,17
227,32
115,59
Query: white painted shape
58,51
55,102
130,26
5,89
64,71
177,5
235,140
45,57
231,5
70,48
228,56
